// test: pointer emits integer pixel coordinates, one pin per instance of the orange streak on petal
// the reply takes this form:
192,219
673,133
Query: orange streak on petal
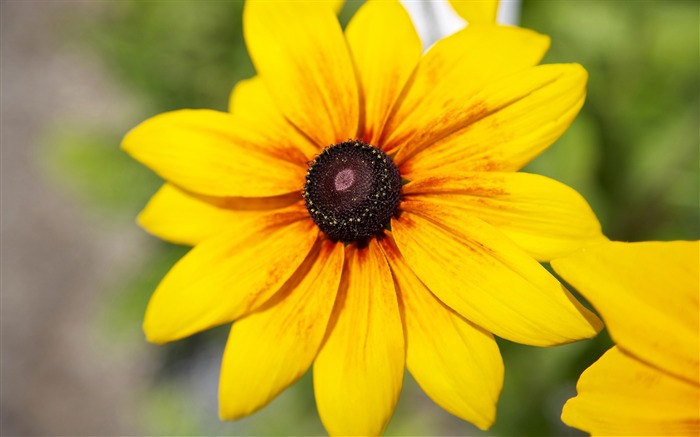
287,329
359,370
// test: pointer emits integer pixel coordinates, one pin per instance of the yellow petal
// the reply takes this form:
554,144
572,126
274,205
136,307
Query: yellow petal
476,11
456,68
618,395
358,372
544,217
487,279
299,51
504,126
229,275
386,49
336,5
455,362
251,101
213,153
647,293
271,349
176,216
251,203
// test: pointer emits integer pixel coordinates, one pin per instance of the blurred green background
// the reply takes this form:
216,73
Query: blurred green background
633,152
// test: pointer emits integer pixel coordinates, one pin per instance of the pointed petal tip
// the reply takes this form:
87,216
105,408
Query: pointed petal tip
144,220
157,330
151,333
546,41
226,414
596,324
486,422
591,323
588,325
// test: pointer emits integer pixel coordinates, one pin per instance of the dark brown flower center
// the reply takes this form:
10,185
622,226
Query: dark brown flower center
352,190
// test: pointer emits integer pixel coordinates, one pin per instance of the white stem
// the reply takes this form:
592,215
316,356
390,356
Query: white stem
435,19
509,12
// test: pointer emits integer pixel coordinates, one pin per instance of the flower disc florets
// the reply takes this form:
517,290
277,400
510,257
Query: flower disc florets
352,190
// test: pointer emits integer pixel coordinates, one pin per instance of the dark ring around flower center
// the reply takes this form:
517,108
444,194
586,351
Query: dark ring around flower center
352,190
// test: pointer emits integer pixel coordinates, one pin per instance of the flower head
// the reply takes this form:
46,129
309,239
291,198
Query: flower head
647,293
359,210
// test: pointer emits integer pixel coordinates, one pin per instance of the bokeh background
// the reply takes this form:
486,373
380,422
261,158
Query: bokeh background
77,272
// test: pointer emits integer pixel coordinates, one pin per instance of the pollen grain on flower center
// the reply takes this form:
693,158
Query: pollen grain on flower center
352,190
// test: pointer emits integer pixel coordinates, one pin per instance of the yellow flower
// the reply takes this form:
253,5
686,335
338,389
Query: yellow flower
647,293
301,256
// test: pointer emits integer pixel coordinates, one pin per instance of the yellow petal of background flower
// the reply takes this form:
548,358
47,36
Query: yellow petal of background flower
299,51
451,73
486,278
456,363
359,371
230,275
544,217
386,49
619,395
504,126
647,293
175,216
336,5
476,11
269,350
213,153
251,101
